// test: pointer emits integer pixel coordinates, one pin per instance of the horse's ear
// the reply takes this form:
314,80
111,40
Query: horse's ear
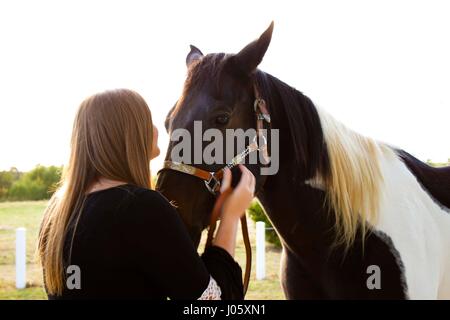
194,55
251,56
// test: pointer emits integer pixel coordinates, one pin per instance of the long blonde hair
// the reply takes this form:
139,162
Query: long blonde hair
111,138
353,187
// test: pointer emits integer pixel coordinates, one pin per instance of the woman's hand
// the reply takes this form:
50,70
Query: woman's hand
242,195
234,208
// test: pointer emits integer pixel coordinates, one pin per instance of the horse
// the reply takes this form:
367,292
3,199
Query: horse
357,218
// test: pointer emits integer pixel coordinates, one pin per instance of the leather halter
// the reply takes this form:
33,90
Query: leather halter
213,179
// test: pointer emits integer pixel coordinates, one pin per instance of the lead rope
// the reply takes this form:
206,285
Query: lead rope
212,227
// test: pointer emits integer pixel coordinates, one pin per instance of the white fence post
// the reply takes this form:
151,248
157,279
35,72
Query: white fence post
21,258
260,250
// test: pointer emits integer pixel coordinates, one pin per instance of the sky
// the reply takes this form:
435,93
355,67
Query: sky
381,67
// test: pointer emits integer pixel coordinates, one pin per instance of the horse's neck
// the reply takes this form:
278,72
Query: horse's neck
288,197
296,209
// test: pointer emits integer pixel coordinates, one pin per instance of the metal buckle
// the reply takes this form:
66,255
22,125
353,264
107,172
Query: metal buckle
213,184
264,141
257,102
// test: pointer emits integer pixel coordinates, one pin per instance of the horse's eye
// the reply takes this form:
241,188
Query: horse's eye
222,119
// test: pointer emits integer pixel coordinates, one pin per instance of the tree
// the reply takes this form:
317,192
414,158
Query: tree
438,164
7,178
38,184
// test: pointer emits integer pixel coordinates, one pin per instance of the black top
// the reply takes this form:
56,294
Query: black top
130,243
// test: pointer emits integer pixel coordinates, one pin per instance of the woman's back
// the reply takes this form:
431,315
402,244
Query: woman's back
121,247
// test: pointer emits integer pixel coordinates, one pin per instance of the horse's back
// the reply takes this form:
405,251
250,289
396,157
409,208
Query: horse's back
436,181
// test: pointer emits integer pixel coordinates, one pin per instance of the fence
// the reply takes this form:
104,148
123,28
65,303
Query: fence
21,258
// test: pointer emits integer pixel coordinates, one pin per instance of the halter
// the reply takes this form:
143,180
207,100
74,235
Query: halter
213,179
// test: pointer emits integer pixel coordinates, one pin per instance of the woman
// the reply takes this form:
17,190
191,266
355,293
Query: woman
125,240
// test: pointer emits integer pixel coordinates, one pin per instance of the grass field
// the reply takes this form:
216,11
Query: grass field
29,214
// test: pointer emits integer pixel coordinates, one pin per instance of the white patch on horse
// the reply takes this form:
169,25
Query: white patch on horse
399,207
419,229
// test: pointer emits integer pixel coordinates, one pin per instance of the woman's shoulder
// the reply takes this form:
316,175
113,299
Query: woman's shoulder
146,196
129,199
129,191
141,201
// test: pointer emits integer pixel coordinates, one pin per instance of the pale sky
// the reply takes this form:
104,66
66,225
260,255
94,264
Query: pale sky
381,67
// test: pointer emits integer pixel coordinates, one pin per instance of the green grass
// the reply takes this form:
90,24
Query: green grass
28,214
13,215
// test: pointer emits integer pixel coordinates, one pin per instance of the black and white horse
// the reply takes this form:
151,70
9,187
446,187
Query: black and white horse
347,208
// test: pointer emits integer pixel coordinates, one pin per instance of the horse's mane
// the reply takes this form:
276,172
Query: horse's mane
303,122
345,164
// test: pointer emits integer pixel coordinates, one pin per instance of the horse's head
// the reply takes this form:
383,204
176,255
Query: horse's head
218,94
